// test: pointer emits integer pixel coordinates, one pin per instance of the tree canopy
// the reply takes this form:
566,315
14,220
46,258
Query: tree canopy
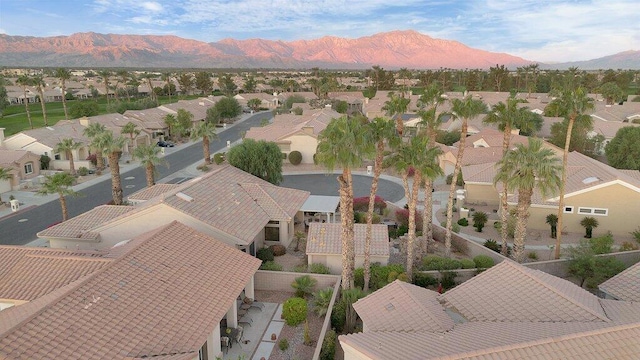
260,158
623,152
228,108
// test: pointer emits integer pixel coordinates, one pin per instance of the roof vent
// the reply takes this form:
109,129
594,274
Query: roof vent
590,180
120,243
184,197
390,307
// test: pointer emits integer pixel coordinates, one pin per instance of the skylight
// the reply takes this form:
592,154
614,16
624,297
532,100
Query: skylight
590,180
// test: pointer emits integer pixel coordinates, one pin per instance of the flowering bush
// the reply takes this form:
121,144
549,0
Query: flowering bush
362,204
402,217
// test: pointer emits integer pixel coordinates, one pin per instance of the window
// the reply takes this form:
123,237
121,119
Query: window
593,211
271,234
28,168
568,209
57,156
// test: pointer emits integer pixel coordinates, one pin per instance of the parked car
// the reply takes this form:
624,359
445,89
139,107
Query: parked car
162,143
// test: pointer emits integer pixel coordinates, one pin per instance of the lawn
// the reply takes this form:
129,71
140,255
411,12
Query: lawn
15,120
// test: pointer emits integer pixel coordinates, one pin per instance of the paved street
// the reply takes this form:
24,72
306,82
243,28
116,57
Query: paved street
21,228
326,184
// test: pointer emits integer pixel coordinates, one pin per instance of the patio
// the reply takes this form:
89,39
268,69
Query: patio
256,339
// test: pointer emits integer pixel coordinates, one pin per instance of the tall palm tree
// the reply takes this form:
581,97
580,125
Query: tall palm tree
93,132
206,131
167,78
64,75
381,131
344,143
105,74
124,78
38,81
133,132
395,107
574,103
149,156
25,81
67,146
465,109
112,146
171,122
525,169
5,175
59,183
148,78
505,116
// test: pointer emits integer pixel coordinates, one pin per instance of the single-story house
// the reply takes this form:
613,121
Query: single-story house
541,317
24,166
325,247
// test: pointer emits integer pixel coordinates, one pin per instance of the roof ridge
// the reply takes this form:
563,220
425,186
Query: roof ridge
259,186
71,257
530,273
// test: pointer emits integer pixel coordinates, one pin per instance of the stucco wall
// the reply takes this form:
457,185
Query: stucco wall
481,194
334,262
305,144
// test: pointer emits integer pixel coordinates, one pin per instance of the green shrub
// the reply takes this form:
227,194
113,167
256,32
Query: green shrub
278,250
628,246
271,266
319,269
379,275
300,268
497,225
265,254
295,157
304,285
392,276
454,227
434,262
283,344
83,171
328,350
448,279
359,217
424,280
468,264
602,244
459,181
463,222
403,277
493,245
480,218
321,300
294,311
635,233
338,316
218,158
532,255
483,261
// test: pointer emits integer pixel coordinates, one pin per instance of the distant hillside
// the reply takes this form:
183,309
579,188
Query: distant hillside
624,60
394,49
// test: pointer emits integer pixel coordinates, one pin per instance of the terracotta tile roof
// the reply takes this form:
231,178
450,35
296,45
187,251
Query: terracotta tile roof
236,202
8,158
10,256
36,275
81,226
624,286
492,138
152,192
480,173
286,125
161,298
52,135
324,238
401,306
525,295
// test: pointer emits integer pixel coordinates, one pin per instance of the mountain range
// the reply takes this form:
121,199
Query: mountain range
396,49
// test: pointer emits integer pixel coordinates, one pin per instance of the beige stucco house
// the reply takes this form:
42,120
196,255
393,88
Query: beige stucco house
325,247
24,166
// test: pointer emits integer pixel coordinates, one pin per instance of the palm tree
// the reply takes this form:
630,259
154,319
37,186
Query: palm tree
59,183
130,129
5,175
67,146
123,77
344,143
64,75
167,78
25,81
505,116
465,109
112,146
525,169
104,74
93,132
148,78
149,156
171,122
552,220
588,223
38,81
381,130
574,104
395,107
206,131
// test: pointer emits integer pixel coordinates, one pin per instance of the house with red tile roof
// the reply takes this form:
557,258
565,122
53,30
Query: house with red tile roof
161,295
324,245
227,203
23,165
295,132
506,312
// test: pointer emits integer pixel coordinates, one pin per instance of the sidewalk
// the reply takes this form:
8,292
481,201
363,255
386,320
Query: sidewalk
29,199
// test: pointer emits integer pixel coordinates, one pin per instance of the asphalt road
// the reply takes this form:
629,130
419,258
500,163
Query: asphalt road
15,230
326,184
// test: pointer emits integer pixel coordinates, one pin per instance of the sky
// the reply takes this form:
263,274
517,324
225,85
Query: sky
537,30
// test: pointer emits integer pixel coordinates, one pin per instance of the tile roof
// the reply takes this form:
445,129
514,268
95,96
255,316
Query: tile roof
525,295
152,192
496,336
81,226
10,256
625,285
286,125
10,157
481,173
160,299
401,306
324,238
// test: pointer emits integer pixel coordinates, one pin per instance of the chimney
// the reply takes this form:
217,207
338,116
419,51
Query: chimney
1,136
515,131
84,121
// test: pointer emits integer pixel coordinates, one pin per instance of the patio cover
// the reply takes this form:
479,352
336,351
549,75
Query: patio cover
321,204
